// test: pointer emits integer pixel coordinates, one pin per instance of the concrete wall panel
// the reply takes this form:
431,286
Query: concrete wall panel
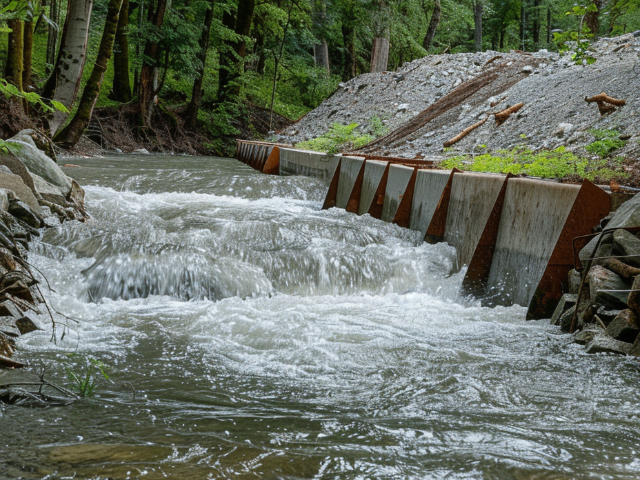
426,195
308,163
373,171
532,219
473,196
399,177
349,170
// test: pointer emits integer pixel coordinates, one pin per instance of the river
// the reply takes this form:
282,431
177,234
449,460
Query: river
266,338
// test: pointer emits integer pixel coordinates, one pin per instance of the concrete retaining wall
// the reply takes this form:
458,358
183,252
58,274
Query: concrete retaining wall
514,233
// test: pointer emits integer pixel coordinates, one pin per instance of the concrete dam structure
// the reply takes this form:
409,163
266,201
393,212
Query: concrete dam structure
513,235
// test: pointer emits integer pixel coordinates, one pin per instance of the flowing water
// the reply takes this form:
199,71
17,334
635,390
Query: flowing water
266,338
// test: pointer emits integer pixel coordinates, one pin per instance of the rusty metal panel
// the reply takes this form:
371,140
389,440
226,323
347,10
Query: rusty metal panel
590,206
330,199
436,230
475,280
272,164
402,217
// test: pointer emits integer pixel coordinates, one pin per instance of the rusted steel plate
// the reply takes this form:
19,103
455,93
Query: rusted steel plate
330,199
353,204
272,164
402,217
411,162
475,280
436,230
378,199
591,205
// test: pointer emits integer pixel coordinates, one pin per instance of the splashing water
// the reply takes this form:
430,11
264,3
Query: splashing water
266,338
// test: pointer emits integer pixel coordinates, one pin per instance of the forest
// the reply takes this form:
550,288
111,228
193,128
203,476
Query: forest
192,75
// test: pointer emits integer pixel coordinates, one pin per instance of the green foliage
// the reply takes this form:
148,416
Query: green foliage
558,163
338,138
219,123
377,128
11,91
577,41
84,372
607,142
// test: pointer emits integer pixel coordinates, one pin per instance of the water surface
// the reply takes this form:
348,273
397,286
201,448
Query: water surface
266,338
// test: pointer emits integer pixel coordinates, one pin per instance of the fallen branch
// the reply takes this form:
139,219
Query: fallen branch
620,47
492,59
603,97
464,133
502,116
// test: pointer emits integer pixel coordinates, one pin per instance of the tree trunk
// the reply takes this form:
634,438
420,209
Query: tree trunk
321,55
69,135
523,24
64,82
548,25
228,87
477,20
227,58
433,25
14,67
27,53
121,84
379,54
148,72
536,24
592,19
52,35
196,94
348,37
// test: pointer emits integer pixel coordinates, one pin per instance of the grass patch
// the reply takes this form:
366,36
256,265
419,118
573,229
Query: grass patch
607,142
338,138
558,163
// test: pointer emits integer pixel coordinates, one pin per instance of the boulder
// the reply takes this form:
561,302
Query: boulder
604,344
8,327
628,215
624,327
565,319
14,183
587,334
39,141
23,212
606,315
633,300
37,162
4,200
48,191
635,348
26,325
567,301
574,281
604,286
16,167
625,243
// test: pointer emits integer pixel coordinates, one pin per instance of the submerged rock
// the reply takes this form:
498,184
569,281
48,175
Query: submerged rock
567,301
604,344
587,334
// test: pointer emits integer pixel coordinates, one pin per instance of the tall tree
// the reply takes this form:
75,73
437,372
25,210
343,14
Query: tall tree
592,18
148,72
380,50
477,20
433,24
52,33
13,69
70,134
64,82
121,91
27,52
232,58
320,50
349,19
196,93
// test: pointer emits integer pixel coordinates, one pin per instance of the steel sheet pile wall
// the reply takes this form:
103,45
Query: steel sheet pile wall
512,234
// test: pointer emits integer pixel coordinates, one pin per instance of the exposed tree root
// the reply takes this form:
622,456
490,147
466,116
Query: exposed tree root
464,133
502,115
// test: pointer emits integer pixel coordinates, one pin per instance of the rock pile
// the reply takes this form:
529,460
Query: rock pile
602,307
34,193
552,87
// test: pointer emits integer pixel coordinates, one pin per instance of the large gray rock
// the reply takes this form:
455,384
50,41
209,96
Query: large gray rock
15,166
604,344
14,183
624,327
625,243
604,286
48,191
39,141
37,162
23,212
628,215
567,301
565,319
574,281
4,200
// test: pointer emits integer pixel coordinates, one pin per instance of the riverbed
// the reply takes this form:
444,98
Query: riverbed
250,334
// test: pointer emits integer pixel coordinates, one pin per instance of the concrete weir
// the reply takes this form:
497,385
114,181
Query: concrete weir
514,234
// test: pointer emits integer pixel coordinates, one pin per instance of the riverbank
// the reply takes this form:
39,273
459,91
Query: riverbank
35,194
